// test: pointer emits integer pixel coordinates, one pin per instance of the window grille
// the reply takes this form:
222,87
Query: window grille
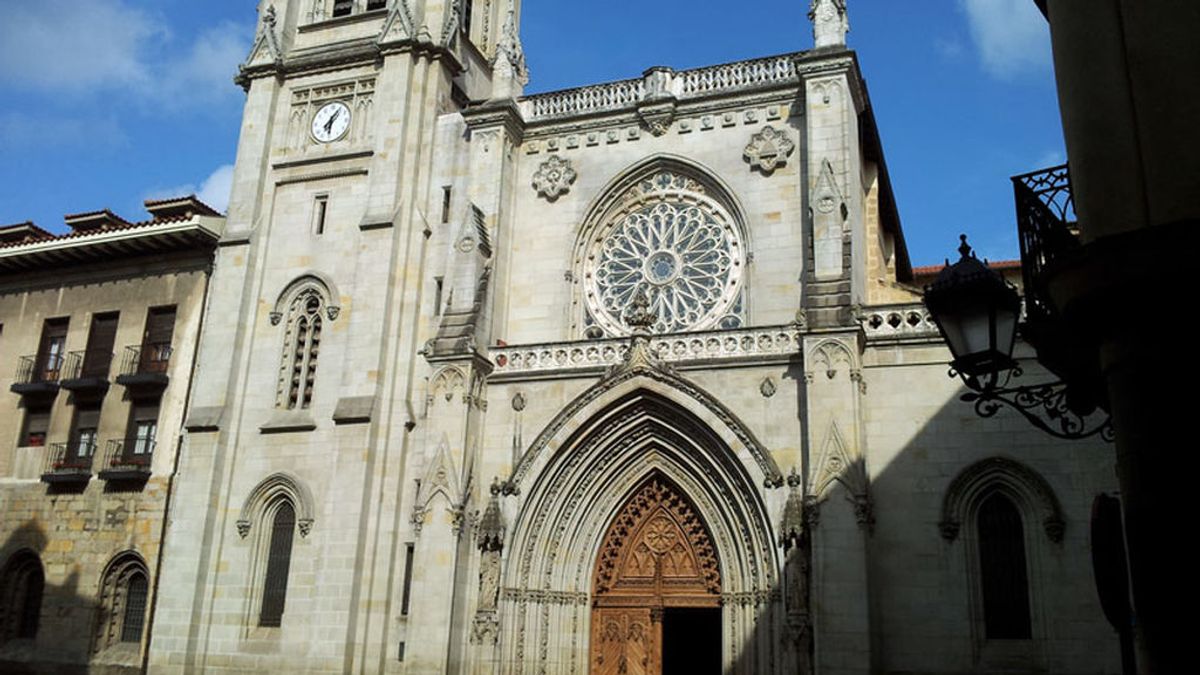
134,621
342,7
1003,570
279,560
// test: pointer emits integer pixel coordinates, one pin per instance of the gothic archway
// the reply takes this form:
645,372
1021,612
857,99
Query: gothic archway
657,556
570,492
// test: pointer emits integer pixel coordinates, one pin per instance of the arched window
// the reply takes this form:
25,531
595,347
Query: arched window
1003,570
279,561
301,347
21,585
124,597
274,511
1002,509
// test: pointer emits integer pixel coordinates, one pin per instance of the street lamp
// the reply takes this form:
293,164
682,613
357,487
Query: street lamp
977,312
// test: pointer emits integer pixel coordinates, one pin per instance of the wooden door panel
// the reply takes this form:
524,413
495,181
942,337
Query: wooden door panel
624,642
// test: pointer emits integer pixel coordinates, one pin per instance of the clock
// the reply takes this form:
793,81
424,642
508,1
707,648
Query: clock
331,122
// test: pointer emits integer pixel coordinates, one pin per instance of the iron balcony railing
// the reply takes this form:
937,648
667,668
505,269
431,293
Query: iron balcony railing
39,369
93,363
74,458
1047,227
146,359
132,454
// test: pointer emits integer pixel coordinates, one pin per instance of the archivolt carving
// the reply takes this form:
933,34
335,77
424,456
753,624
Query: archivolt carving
773,477
1023,484
610,454
275,486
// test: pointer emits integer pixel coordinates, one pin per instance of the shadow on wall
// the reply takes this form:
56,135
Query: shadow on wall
44,628
967,551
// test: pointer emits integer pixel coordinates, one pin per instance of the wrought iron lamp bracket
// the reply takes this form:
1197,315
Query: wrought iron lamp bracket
1051,407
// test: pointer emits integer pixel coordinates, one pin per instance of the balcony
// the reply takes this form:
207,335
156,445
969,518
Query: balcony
1049,235
87,371
144,367
127,461
69,464
38,375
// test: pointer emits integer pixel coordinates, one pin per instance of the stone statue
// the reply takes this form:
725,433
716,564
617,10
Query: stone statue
830,23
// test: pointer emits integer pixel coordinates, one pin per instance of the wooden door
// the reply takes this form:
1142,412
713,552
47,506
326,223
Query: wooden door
657,554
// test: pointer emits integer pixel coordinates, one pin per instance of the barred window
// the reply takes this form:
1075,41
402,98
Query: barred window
124,597
134,620
21,585
279,561
1004,575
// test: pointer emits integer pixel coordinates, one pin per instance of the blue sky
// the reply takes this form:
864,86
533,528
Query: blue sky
109,102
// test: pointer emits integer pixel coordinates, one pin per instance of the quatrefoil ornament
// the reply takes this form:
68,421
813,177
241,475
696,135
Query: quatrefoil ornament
554,178
769,149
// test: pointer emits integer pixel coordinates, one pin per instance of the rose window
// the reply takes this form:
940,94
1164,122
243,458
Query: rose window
677,247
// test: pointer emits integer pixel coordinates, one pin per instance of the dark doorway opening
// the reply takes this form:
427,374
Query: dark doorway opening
691,641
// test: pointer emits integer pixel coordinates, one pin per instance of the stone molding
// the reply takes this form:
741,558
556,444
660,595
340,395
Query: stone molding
1032,494
656,372
277,486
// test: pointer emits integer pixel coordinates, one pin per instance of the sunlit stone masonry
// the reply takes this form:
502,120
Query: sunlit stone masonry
629,378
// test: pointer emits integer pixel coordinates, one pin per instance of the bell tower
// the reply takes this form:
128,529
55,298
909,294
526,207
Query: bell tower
331,203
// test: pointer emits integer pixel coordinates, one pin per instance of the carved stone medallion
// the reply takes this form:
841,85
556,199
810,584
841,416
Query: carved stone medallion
769,149
554,178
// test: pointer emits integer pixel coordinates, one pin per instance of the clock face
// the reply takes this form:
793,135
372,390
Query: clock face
331,122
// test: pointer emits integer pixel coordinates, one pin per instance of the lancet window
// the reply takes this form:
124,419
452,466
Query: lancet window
301,348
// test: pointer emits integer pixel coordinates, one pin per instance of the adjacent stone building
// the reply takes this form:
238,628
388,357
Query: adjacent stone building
629,378
99,330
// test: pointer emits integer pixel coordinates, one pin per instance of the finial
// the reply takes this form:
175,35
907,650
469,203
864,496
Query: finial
964,249
269,17
639,317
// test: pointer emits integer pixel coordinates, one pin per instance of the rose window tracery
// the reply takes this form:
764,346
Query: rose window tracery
673,242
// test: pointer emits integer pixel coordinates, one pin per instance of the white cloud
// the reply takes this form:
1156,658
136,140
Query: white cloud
213,191
90,46
1011,35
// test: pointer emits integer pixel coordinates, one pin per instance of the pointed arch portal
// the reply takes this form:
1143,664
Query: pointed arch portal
657,558
641,521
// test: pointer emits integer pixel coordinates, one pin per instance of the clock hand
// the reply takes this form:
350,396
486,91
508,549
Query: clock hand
329,124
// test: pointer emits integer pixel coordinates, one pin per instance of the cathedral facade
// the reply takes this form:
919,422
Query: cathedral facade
628,378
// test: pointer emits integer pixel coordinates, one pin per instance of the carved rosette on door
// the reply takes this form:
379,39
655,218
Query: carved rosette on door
657,555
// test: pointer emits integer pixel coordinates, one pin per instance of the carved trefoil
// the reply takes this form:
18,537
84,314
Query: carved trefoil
769,149
554,178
